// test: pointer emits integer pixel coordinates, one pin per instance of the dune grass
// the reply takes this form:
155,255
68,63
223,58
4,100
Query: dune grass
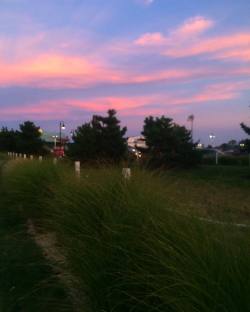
137,245
27,280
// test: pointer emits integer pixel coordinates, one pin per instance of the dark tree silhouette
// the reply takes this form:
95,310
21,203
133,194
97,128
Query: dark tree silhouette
245,128
169,144
100,139
8,139
29,139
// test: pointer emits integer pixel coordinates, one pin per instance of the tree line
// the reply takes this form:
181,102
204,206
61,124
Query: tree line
103,139
25,140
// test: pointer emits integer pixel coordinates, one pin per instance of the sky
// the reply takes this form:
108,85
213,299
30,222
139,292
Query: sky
65,60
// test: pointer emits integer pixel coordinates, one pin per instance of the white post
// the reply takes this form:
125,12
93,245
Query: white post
78,168
24,156
31,157
126,172
216,158
20,155
55,161
16,155
40,158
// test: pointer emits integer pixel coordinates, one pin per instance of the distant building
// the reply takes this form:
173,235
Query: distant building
137,142
52,143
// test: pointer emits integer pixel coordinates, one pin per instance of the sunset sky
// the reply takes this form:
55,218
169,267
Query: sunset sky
69,59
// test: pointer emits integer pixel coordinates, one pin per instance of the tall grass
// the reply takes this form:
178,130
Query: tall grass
126,248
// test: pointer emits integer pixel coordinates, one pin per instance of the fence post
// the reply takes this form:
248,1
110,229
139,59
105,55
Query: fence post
78,168
24,156
55,161
40,158
31,157
216,158
126,172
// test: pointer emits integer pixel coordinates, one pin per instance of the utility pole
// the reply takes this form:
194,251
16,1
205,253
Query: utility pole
191,120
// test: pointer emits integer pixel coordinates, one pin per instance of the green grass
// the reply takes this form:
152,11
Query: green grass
137,245
27,281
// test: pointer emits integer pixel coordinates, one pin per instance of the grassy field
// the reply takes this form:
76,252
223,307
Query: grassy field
135,245
27,281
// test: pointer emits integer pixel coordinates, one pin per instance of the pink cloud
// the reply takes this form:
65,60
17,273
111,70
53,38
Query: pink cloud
126,105
209,46
186,41
58,70
234,54
151,39
193,27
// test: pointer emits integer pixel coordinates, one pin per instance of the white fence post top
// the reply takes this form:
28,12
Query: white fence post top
126,172
77,168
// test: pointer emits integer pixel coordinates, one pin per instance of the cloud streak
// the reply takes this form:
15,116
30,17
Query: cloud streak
140,105
187,41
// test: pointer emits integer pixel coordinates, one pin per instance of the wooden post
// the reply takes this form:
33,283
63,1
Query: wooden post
216,158
126,172
78,168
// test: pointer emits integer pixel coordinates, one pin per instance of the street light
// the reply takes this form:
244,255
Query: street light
212,138
55,137
61,127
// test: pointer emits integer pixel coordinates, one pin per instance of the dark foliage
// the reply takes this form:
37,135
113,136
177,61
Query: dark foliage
100,139
245,128
8,139
169,144
27,140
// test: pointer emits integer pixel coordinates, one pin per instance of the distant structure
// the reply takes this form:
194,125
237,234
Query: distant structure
137,142
137,145
52,143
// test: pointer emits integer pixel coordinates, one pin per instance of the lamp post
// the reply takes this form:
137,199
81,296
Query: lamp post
61,127
212,138
191,120
54,137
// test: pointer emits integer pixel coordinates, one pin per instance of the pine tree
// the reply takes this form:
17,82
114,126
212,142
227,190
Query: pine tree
100,139
169,144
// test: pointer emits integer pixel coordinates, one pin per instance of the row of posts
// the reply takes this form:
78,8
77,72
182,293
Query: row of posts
126,172
23,156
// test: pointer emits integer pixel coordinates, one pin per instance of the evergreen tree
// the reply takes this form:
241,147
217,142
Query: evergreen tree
169,144
29,139
100,139
8,139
